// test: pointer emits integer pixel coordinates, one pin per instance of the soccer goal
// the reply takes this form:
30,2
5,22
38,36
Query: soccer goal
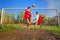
13,16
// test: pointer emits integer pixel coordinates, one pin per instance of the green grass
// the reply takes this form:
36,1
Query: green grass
7,29
10,27
53,29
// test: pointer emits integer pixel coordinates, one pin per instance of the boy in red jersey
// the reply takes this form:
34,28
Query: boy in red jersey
27,16
40,19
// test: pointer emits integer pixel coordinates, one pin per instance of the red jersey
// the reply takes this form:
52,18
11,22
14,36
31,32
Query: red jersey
27,13
40,19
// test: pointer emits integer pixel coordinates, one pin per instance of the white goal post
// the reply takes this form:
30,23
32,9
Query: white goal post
23,9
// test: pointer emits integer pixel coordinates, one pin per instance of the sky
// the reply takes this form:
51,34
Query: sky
26,3
22,3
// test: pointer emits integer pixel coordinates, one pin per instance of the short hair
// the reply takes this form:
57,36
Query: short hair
28,7
36,12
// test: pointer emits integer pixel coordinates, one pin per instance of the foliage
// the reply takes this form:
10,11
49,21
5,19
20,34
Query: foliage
11,18
19,16
52,21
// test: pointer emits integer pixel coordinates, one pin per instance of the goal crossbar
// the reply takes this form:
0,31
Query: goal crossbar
31,8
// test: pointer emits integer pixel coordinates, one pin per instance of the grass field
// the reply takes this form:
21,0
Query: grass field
53,29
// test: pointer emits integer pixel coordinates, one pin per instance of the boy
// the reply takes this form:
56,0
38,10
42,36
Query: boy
36,18
40,19
27,16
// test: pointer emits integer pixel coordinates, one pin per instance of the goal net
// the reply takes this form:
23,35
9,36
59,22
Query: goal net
14,15
52,17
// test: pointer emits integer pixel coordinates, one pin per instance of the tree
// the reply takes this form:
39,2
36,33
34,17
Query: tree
6,18
19,16
45,21
11,18
53,21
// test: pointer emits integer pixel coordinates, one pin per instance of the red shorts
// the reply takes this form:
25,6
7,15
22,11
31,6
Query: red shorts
27,21
26,17
39,22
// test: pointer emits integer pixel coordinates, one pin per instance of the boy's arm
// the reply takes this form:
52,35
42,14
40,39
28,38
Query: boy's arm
43,15
30,14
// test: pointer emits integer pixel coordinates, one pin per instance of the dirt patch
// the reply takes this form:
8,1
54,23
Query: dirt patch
28,34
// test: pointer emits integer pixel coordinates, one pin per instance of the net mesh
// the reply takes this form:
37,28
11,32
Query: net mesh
13,16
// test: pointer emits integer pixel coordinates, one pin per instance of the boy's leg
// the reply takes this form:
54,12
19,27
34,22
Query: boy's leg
28,23
36,23
40,26
22,19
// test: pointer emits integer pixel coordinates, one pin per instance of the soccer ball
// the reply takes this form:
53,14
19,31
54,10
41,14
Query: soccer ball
33,5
